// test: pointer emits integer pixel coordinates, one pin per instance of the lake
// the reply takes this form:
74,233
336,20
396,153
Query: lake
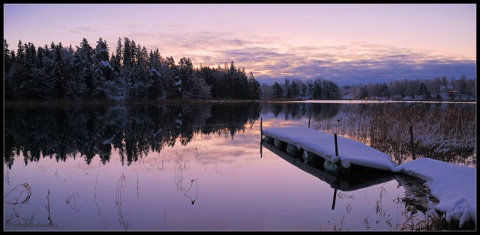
202,167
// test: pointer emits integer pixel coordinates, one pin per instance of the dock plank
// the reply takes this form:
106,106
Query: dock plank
323,144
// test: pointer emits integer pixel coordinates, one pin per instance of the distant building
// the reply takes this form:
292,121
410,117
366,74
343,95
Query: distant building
447,90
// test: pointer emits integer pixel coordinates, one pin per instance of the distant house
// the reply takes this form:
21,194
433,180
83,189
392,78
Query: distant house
447,90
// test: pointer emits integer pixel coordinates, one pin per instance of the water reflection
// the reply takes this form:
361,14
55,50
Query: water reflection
295,111
133,130
441,131
314,166
191,167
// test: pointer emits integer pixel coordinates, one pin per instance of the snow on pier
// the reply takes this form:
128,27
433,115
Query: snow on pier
323,145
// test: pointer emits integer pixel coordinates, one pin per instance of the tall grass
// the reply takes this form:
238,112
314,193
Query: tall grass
443,132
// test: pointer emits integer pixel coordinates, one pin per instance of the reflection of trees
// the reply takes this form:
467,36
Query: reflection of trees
277,109
324,111
294,111
133,130
231,118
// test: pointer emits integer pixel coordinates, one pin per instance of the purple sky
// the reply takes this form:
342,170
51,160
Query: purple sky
344,43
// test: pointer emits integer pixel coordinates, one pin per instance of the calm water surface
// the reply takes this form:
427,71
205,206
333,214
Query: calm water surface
200,167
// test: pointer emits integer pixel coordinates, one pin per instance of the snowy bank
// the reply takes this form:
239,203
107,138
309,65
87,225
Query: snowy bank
453,185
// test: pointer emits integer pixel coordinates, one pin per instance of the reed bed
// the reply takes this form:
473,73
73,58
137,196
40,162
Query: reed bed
443,133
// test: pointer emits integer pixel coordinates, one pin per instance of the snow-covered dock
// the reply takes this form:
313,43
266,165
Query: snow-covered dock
453,185
322,144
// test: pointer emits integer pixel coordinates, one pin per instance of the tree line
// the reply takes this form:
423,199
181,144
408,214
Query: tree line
438,88
318,89
131,73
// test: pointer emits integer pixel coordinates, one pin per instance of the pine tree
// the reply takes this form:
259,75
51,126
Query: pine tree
185,76
330,90
255,91
155,90
288,91
208,75
58,78
10,88
316,91
241,84
172,80
294,89
277,91
7,59
423,90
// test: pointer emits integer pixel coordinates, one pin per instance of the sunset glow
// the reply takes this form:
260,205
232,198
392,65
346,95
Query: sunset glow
345,43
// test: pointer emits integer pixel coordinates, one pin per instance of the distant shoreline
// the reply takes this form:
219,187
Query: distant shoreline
33,103
110,102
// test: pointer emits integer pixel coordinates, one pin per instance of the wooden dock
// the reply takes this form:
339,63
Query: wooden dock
339,155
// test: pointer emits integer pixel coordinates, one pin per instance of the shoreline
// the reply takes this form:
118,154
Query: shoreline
35,103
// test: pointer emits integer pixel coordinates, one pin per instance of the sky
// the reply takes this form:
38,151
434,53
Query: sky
453,185
344,43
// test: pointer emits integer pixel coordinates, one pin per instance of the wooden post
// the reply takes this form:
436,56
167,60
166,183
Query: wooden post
309,117
261,136
261,129
411,141
334,197
336,145
261,148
